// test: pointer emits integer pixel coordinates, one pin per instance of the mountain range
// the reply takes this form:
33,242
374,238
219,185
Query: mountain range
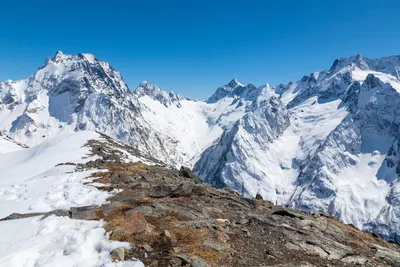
328,142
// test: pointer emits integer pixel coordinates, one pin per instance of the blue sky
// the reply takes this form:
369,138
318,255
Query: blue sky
192,47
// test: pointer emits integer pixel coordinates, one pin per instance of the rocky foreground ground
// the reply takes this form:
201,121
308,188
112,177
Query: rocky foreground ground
171,218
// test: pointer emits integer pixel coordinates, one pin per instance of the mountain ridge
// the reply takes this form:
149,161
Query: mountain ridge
303,158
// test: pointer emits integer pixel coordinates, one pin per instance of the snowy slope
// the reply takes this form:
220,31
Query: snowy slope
32,180
7,145
57,241
193,125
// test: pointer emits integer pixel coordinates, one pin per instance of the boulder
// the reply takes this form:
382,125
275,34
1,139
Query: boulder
186,172
133,224
84,213
118,254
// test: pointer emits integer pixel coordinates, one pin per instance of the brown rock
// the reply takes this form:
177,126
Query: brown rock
133,224
148,248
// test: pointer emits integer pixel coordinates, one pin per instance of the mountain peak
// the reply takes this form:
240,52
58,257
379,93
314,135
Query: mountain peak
59,53
153,91
59,56
88,57
234,83
357,61
236,89
80,75
146,88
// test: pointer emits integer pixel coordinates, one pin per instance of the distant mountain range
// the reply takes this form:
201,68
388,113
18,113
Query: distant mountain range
329,142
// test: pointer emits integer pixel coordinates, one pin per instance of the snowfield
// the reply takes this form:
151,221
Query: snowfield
57,241
7,145
32,180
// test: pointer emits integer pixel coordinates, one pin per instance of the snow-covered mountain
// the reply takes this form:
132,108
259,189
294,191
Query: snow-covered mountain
74,93
328,142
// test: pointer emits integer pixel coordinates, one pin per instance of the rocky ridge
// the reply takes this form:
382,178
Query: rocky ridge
172,218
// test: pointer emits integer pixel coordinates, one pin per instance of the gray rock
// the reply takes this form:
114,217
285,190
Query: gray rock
15,216
84,213
60,213
118,254
186,172
200,263
291,214
108,208
144,210
183,190
120,178
295,264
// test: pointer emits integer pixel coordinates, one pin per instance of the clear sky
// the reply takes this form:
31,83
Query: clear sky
192,47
